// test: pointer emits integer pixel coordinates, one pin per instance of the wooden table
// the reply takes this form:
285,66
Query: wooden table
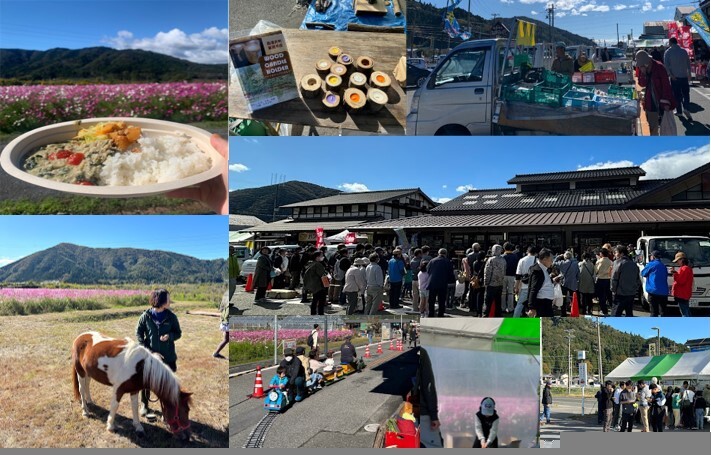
306,47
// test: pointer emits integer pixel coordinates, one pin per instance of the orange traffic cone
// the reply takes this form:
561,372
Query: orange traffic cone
399,345
249,287
258,387
380,348
574,309
367,352
392,345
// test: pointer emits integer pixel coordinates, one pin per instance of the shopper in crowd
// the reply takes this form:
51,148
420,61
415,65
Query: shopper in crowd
656,284
603,271
658,97
683,283
523,269
509,290
494,276
625,282
563,63
540,286
441,275
678,65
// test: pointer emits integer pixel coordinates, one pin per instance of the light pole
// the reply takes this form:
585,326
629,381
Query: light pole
659,341
570,360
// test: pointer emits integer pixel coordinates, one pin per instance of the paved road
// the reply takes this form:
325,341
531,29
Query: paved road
244,14
566,417
333,417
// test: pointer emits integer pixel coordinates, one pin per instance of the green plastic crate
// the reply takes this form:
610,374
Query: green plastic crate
617,91
557,80
550,95
518,93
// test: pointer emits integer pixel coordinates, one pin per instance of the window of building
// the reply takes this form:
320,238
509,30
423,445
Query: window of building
346,209
490,196
512,195
331,209
317,210
469,202
362,207
476,196
695,193
489,202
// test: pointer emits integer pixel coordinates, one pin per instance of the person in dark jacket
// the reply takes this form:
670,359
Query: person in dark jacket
486,425
624,283
296,374
441,275
349,356
430,436
157,330
313,283
657,286
476,294
608,405
262,275
540,286
546,401
295,270
306,257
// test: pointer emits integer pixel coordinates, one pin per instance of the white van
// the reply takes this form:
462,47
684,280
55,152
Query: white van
250,265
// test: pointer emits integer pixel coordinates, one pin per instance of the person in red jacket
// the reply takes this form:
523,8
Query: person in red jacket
658,98
683,282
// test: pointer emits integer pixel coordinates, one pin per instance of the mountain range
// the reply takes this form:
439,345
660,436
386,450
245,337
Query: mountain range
616,345
102,64
71,263
425,23
260,202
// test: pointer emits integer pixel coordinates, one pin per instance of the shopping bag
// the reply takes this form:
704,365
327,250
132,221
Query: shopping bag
557,296
668,126
587,67
459,289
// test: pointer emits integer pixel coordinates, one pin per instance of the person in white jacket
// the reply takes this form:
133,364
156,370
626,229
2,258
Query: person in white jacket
355,284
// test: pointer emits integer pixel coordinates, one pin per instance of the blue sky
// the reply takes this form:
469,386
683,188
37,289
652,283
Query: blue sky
194,30
204,237
445,166
589,18
677,329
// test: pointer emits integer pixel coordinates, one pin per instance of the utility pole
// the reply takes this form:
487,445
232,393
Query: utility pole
570,359
469,18
659,341
599,353
618,33
550,15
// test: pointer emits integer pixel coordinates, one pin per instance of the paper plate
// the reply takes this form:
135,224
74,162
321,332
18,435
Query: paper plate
14,154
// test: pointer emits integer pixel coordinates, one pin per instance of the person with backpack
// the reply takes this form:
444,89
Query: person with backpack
658,409
312,340
315,277
523,268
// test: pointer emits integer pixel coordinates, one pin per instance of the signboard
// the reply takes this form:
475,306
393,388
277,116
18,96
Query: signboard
307,237
683,35
319,237
385,331
583,372
699,348
581,355
288,344
652,349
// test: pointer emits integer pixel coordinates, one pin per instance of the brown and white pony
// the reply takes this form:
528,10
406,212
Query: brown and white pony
128,367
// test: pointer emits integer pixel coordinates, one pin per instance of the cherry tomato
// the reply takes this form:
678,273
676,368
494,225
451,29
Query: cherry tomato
60,155
84,183
75,159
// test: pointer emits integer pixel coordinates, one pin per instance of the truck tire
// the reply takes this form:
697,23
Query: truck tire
452,130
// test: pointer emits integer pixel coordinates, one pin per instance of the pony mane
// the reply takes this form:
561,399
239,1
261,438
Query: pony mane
156,374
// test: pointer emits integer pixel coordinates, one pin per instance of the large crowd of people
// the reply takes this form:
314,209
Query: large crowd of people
503,280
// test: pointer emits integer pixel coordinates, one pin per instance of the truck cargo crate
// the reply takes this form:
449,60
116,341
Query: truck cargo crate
617,107
622,92
579,101
605,77
517,93
557,80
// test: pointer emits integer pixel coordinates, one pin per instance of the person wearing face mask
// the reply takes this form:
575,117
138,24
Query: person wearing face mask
486,425
314,283
540,285
296,374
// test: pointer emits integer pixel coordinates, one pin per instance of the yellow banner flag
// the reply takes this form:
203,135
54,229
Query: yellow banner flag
526,35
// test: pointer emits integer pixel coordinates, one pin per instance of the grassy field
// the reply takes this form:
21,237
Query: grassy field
38,409
241,352
574,392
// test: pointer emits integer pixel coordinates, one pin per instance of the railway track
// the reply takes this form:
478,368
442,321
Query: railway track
256,437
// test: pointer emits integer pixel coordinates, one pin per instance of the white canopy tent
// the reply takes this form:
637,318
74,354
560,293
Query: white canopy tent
692,366
476,358
341,237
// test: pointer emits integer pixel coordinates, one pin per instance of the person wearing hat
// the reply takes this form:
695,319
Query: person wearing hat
486,425
355,284
441,274
546,401
349,356
296,373
583,64
683,283
656,286
563,62
658,96
262,274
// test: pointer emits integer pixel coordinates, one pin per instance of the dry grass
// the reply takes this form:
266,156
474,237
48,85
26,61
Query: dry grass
38,409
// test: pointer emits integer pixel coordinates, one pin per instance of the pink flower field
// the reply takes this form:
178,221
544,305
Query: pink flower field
266,336
24,107
31,294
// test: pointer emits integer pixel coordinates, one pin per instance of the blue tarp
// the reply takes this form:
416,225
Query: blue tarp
341,13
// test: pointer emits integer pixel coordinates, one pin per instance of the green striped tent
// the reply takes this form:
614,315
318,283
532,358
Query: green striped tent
513,336
668,367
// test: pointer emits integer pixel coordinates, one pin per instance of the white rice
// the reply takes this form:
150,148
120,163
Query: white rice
162,159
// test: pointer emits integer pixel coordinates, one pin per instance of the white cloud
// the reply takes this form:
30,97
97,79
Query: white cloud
508,2
208,46
444,187
442,200
664,165
238,167
353,187
647,6
465,188
675,163
534,13
6,261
